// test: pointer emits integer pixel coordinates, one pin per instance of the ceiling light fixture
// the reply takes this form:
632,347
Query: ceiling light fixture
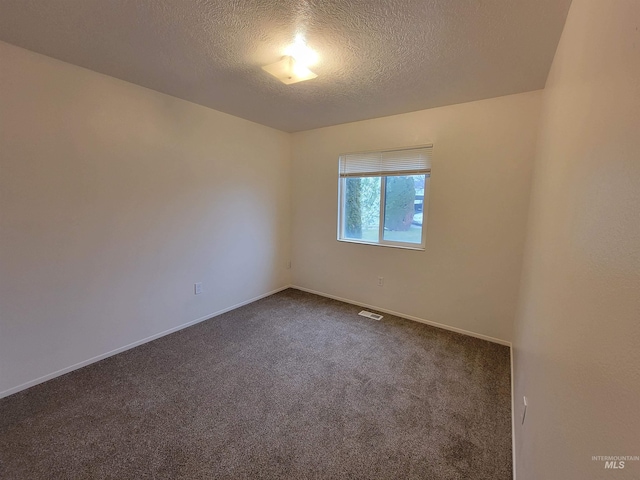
294,66
289,71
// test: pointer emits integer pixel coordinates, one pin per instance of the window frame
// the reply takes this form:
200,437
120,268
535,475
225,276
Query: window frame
383,188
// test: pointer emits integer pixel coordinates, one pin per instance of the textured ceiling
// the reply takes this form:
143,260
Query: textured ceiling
377,57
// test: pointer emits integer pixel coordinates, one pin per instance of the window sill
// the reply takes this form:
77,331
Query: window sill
388,245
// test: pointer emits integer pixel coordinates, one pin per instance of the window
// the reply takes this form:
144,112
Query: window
383,197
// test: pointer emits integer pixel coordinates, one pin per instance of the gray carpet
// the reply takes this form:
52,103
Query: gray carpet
293,386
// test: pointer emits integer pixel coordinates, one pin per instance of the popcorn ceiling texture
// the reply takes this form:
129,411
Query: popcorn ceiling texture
377,58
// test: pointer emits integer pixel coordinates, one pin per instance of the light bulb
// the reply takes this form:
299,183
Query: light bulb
302,53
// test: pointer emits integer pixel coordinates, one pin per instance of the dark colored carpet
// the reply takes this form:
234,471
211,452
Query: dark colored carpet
293,386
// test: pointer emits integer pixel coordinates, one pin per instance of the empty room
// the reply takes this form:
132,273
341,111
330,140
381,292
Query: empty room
320,239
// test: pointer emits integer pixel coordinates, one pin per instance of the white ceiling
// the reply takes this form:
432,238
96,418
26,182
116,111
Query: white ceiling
377,57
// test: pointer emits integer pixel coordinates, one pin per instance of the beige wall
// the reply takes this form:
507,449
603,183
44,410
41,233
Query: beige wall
577,342
468,276
114,200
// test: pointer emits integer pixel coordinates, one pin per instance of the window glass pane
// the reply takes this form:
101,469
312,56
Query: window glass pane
404,208
362,208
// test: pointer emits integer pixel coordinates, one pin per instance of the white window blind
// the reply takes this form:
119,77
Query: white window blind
405,161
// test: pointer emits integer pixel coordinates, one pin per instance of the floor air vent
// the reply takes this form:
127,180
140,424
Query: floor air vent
372,316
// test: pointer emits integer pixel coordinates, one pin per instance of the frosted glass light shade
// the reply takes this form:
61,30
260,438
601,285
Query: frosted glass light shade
289,71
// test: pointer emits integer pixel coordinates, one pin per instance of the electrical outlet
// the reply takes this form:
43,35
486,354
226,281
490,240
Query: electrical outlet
524,410
380,281
197,288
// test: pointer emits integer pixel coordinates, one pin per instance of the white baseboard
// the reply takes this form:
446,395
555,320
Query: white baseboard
102,356
408,317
